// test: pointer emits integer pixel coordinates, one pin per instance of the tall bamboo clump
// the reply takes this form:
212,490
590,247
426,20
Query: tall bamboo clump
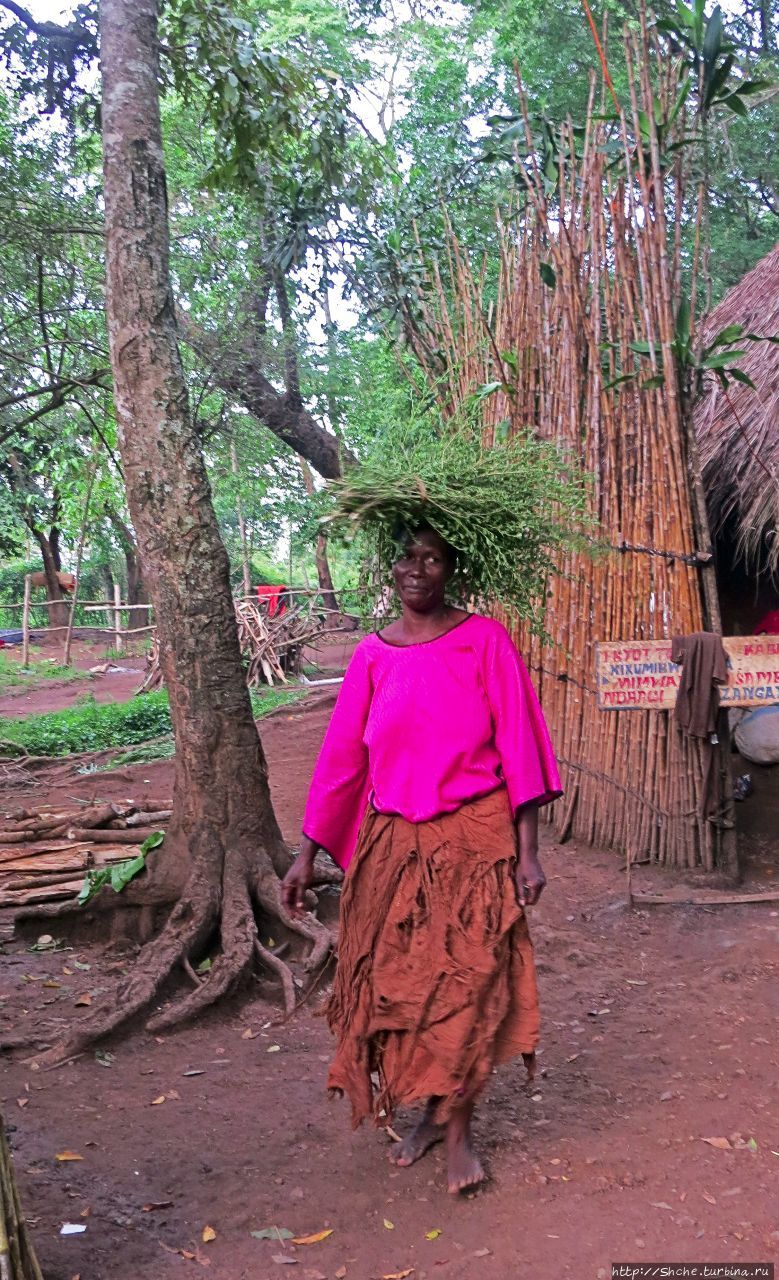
589,265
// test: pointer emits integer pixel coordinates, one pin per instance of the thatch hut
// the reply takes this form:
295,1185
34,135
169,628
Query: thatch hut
738,435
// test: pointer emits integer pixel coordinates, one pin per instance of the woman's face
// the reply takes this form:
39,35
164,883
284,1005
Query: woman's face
422,572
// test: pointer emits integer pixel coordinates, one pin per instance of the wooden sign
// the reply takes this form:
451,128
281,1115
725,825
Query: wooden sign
640,676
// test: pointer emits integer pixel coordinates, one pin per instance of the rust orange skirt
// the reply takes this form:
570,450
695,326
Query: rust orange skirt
436,981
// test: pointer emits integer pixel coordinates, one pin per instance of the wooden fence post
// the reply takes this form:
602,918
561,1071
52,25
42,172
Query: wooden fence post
26,621
118,638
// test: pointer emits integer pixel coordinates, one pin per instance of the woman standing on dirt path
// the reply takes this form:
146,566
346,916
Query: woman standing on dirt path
435,763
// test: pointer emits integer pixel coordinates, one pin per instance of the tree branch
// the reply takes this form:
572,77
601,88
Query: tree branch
50,30
60,385
235,370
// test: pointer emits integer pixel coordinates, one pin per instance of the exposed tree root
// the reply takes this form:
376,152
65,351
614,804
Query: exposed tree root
238,933
223,914
326,874
268,894
184,933
282,970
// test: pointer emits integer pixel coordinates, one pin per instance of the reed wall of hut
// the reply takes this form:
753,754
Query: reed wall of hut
589,266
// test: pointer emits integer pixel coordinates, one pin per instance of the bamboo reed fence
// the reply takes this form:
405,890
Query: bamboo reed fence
589,265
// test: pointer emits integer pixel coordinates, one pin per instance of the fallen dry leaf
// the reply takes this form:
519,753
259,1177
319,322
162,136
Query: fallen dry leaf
248,1034
157,1102
83,999
207,1235
340,1273
399,1275
156,1204
706,1196
284,1259
721,1144
481,1253
64,1156
173,1095
389,1225
434,1234
22,1102
315,1238
273,1048
51,982
312,1274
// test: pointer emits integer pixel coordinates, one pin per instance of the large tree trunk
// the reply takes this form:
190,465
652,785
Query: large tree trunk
223,846
324,576
136,590
136,587
49,549
246,576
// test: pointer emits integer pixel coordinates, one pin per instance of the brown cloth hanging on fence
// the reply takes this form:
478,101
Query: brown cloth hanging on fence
704,669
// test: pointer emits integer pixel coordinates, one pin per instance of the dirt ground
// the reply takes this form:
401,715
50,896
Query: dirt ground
660,1033
117,684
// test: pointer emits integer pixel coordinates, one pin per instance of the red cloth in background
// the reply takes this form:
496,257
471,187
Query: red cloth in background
768,624
272,596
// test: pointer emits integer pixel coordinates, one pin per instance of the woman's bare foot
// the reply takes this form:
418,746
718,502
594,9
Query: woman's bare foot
424,1136
464,1168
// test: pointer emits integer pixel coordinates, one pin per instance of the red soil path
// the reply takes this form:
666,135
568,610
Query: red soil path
660,1032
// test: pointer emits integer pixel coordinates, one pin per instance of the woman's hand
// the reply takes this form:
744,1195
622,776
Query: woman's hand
299,879
530,879
529,875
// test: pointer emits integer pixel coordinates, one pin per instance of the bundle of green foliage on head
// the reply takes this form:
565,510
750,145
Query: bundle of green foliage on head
509,510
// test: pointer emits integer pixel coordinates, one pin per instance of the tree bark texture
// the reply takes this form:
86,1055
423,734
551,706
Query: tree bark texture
218,859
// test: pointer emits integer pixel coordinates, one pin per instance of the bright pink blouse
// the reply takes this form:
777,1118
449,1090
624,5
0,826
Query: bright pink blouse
420,729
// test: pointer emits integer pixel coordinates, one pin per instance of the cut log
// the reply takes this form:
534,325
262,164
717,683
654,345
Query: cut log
710,899
53,893
23,853
100,815
35,881
142,819
110,835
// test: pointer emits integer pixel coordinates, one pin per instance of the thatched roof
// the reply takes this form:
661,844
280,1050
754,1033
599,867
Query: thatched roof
738,429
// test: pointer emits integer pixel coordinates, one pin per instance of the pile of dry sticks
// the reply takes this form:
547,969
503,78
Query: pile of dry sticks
273,647
45,853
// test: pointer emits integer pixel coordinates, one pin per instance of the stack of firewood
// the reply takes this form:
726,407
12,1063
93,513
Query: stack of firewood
272,647
45,853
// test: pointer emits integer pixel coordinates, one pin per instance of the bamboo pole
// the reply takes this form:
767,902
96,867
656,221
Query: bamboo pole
17,1254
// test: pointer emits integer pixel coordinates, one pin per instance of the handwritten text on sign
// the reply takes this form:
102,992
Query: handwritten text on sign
639,675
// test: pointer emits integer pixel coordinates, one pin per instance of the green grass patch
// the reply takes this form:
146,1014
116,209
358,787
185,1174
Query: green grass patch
13,674
92,726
